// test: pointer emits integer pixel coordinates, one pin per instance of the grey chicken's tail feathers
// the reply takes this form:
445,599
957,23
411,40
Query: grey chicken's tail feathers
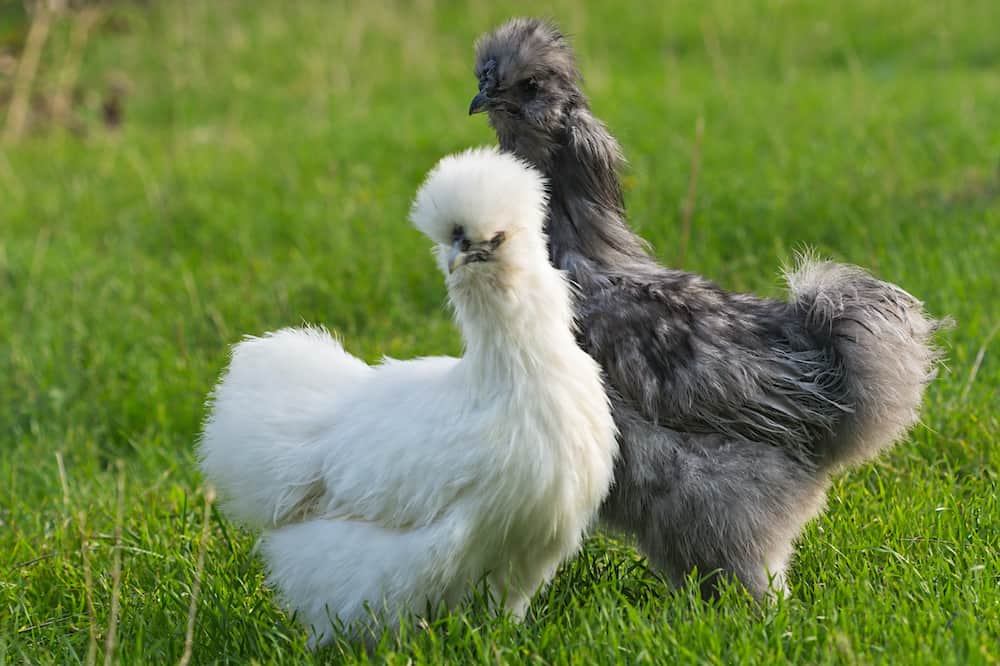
882,341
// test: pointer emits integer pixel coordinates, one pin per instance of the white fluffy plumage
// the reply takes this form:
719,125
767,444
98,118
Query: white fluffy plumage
398,487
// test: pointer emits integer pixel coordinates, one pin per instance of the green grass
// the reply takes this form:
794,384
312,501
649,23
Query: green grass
261,178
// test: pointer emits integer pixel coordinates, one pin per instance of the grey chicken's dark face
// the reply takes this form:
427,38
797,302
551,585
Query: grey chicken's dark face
527,78
514,93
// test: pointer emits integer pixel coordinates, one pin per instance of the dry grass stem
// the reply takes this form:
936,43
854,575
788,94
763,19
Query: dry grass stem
88,580
86,19
980,355
199,570
116,571
64,483
17,112
692,191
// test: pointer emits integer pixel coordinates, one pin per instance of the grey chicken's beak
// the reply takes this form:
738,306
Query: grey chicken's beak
479,103
463,252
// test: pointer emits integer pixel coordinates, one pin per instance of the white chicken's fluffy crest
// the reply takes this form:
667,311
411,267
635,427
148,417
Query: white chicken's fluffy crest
483,191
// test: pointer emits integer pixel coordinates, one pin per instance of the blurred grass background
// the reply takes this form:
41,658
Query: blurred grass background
188,172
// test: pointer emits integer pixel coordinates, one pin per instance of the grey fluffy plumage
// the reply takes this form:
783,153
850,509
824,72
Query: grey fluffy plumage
733,410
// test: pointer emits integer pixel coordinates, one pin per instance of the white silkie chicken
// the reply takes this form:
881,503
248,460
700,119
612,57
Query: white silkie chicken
399,487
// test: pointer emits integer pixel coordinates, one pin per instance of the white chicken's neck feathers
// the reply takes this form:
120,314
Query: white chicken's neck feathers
514,323
522,363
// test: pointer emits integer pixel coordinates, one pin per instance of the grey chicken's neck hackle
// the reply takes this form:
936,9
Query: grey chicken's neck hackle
587,209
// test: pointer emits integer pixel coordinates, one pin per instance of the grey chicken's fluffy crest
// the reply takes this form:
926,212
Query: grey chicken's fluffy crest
733,409
525,47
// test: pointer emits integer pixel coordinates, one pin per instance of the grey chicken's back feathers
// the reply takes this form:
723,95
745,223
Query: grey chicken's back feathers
834,376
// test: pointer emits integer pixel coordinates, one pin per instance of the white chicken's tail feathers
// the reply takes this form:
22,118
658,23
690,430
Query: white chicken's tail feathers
882,341
259,445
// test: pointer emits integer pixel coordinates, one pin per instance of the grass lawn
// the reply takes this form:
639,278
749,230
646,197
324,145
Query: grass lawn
232,167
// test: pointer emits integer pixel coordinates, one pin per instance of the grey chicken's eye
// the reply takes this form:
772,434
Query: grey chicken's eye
528,87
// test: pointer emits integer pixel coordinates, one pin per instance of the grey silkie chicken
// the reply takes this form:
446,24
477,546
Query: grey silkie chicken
733,410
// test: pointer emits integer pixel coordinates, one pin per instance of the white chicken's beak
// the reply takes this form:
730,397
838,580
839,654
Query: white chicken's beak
456,258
